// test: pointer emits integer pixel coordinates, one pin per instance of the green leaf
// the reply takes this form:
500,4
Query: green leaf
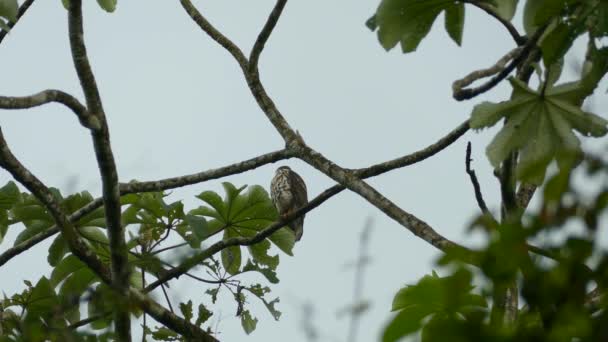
186,309
3,224
9,9
269,273
215,201
407,321
231,256
243,212
42,299
558,40
260,292
64,268
248,322
506,8
203,315
409,21
539,126
76,283
32,228
259,252
454,21
198,226
107,5
9,195
531,9
57,250
4,25
213,293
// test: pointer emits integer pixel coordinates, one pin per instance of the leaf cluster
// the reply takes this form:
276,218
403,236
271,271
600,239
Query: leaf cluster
150,221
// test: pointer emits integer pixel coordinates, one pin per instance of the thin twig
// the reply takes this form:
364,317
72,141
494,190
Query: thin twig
22,9
167,298
258,46
478,195
468,93
459,85
89,320
216,35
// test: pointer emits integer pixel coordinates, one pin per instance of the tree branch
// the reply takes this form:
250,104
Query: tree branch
195,178
107,168
478,196
258,47
468,93
22,9
48,96
353,183
415,157
216,35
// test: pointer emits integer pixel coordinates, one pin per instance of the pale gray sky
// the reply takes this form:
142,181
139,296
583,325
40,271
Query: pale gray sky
177,103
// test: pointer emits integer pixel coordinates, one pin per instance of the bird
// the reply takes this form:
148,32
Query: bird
288,193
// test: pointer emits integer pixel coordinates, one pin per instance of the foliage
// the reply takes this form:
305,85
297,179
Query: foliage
554,279
243,212
556,291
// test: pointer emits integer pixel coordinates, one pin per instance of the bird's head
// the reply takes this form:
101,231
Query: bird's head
283,169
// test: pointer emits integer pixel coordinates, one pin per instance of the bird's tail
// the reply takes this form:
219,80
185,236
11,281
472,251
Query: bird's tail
298,227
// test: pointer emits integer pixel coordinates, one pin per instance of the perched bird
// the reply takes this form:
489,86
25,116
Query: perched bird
288,193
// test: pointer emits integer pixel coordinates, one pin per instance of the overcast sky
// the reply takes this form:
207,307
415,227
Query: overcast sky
177,103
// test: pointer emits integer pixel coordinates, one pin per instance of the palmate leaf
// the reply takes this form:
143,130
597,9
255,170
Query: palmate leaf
539,126
243,212
409,21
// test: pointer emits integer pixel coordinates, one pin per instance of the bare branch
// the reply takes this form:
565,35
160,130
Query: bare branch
176,182
107,168
48,96
519,39
415,157
216,35
258,47
22,9
468,93
478,196
353,183
458,85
